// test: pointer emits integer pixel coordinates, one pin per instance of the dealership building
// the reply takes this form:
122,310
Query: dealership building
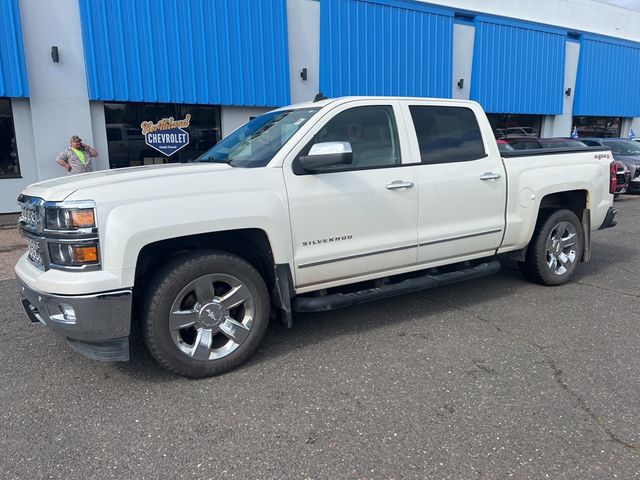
101,68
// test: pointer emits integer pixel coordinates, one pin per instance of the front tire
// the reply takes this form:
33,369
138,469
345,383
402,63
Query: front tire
555,249
205,313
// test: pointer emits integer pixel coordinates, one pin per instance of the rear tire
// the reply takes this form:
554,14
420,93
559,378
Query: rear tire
555,249
205,313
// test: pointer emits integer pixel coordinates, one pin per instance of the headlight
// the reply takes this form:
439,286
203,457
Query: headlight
74,218
73,254
71,234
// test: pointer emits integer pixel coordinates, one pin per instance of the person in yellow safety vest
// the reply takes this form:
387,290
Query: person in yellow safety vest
76,158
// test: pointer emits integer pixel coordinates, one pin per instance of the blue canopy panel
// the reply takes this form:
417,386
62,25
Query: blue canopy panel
228,52
518,67
13,72
385,47
608,82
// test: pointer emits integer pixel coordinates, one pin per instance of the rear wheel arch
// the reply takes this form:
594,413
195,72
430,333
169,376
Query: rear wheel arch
575,200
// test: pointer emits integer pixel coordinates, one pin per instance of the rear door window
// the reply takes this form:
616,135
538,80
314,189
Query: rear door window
447,134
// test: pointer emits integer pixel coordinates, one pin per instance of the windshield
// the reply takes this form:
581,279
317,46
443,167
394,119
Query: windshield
256,143
623,147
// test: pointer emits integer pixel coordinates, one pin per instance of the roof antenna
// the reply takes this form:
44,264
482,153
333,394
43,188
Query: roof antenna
319,97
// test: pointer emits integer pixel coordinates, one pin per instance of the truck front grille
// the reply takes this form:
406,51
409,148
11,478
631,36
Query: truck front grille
35,252
30,216
30,223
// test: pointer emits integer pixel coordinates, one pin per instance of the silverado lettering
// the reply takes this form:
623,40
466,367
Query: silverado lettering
327,240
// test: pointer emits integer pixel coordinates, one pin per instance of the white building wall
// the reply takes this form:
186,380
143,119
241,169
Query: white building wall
99,131
303,20
626,126
561,125
463,38
234,117
58,91
635,124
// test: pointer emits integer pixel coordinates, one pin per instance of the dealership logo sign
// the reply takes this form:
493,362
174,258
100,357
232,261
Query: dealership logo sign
167,135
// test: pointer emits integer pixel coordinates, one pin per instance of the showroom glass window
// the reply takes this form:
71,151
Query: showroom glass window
598,126
126,144
9,165
508,126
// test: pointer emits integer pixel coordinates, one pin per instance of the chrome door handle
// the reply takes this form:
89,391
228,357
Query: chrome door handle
399,184
489,176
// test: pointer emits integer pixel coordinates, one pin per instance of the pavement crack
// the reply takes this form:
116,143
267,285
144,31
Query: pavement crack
558,375
606,289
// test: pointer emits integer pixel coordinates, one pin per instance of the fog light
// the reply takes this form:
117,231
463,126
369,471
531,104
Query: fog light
68,312
67,315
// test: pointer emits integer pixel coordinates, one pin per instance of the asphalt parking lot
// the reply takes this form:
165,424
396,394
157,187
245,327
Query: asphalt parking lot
493,378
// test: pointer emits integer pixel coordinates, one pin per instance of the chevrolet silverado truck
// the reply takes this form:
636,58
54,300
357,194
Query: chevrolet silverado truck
306,208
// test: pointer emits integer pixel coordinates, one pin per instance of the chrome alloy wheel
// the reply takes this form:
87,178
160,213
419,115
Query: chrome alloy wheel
211,317
561,248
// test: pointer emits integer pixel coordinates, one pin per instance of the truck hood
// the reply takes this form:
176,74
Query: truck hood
60,188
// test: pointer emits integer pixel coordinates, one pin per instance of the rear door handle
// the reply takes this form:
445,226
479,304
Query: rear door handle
396,184
489,176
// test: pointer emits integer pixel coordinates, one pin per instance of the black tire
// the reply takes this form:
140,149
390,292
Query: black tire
536,267
167,286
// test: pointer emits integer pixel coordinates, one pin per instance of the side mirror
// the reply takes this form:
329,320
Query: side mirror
326,154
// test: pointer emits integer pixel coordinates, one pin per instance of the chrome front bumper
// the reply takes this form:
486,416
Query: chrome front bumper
96,325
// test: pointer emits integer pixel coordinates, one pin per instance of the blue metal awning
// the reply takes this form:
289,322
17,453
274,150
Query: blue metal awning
608,78
385,47
13,72
229,52
518,67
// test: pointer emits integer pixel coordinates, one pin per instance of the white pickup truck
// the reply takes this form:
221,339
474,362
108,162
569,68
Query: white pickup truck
305,208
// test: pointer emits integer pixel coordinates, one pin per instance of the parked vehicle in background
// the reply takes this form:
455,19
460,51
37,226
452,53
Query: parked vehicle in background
504,146
624,151
521,131
528,143
305,208
623,174
623,178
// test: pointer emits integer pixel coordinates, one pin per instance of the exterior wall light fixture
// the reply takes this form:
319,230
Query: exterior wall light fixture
55,56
